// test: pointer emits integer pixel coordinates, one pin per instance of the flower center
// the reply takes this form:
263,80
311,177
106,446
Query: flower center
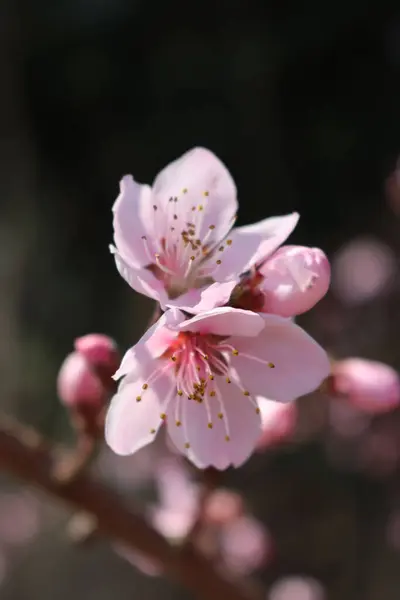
180,253
197,359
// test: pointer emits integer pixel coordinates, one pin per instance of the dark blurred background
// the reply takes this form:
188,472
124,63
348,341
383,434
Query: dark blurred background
301,101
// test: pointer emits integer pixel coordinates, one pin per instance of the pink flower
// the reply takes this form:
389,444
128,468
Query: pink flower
171,239
77,384
371,386
278,422
203,377
288,283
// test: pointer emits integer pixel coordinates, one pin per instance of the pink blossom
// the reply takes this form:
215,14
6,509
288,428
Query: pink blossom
371,386
288,283
173,239
202,376
278,422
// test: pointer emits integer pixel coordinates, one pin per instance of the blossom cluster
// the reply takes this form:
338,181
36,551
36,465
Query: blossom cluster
226,344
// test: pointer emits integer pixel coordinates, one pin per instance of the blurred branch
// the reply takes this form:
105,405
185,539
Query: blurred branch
25,454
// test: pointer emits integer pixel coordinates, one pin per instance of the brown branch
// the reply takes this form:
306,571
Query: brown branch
23,453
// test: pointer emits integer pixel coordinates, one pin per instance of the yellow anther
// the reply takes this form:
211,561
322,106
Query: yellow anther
221,248
218,262
271,365
229,242
220,416
178,423
246,393
212,227
145,386
163,416
212,393
152,430
227,438
211,377
206,193
210,425
200,207
192,258
179,392
173,358
187,445
184,191
258,411
138,398
228,380
235,352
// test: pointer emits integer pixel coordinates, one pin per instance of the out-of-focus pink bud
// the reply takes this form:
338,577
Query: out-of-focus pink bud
77,383
295,278
245,545
297,588
278,422
371,386
222,507
84,381
101,352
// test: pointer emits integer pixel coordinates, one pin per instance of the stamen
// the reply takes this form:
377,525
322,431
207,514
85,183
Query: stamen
206,193
184,191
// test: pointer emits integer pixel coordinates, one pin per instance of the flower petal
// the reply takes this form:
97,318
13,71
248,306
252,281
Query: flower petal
132,424
152,344
141,280
225,321
282,363
128,226
209,446
252,244
205,299
204,190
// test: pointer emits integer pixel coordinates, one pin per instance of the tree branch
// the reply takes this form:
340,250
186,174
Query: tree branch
23,453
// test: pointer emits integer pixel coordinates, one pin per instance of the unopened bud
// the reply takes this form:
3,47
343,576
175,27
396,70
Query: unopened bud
295,278
278,422
222,507
370,386
84,381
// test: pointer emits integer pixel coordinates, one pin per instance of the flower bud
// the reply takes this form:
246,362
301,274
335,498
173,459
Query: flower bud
278,422
222,507
84,380
295,278
101,352
371,386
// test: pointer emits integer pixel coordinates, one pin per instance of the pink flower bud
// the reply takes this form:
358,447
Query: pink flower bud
295,278
278,422
297,588
77,384
371,386
84,381
100,351
222,507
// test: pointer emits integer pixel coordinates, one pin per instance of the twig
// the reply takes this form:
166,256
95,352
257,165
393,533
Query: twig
23,453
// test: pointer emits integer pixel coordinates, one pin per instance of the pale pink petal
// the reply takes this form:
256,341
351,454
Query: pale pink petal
152,344
225,321
199,180
252,244
282,363
205,299
132,423
129,229
209,446
295,279
141,280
